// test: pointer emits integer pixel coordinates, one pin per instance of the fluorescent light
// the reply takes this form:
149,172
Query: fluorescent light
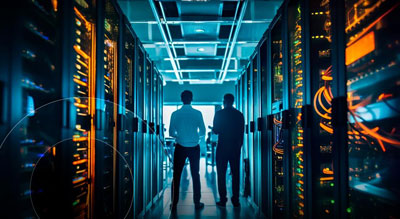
197,70
200,50
199,30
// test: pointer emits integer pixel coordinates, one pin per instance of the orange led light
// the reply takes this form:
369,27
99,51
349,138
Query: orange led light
80,105
80,82
80,52
327,171
299,117
77,162
360,48
82,63
79,138
329,178
78,181
327,78
54,3
80,15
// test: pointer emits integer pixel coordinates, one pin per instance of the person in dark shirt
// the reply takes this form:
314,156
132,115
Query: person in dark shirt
229,126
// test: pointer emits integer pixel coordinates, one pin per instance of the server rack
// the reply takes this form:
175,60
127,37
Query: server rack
372,45
107,32
242,90
320,162
254,129
87,55
327,60
160,133
140,134
265,155
152,127
81,112
126,121
246,145
250,128
297,101
278,117
147,142
33,39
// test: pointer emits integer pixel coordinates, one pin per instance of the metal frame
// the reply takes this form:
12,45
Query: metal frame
166,41
339,108
224,21
231,47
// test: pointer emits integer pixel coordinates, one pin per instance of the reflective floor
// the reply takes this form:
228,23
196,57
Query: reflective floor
209,195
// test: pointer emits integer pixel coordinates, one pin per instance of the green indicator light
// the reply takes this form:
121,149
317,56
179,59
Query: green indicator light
333,201
332,184
298,162
75,203
348,210
298,192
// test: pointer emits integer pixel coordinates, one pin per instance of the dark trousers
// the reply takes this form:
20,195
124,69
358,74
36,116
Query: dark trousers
222,159
180,155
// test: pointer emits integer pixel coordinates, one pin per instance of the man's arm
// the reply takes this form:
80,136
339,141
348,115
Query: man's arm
202,128
216,124
172,126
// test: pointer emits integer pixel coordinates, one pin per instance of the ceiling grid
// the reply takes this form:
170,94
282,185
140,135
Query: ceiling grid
199,41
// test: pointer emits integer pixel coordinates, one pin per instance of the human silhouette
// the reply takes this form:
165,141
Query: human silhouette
229,126
186,127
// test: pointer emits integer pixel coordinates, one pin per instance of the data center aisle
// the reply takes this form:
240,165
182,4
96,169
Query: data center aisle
209,194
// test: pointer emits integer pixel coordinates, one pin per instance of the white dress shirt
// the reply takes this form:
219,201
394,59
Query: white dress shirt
187,126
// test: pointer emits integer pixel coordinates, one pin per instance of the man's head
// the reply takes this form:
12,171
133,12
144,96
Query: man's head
228,100
186,97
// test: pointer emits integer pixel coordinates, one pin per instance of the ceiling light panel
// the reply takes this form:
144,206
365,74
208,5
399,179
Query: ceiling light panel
201,50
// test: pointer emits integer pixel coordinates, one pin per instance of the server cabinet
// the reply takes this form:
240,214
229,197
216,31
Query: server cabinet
160,133
27,56
277,119
244,111
83,109
263,122
372,65
297,104
254,128
250,136
147,142
154,142
239,107
106,109
139,155
126,119
320,159
57,153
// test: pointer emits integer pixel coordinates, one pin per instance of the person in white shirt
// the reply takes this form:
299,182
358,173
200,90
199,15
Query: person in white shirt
186,126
